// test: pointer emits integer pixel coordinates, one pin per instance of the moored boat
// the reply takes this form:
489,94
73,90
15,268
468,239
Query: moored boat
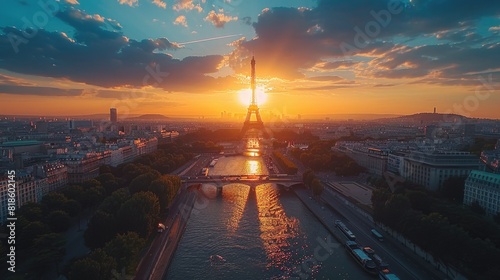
361,257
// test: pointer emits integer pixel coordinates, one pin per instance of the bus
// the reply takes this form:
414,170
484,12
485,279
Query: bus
377,235
345,230
385,274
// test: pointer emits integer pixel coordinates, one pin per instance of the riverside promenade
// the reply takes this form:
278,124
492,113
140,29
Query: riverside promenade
155,261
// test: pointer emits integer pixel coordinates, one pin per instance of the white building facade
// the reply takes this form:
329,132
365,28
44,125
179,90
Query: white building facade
484,188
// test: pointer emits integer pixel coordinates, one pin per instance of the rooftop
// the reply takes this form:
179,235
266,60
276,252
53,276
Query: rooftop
20,143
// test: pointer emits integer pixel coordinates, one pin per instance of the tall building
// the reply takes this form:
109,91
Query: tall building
256,125
113,115
432,169
484,188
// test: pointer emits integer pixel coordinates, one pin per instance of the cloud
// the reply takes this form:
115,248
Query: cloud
459,35
35,90
119,94
131,3
99,55
290,41
186,5
8,80
160,4
219,19
446,62
341,64
494,29
181,20
247,20
326,78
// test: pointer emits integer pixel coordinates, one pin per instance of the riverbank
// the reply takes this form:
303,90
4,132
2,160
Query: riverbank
155,263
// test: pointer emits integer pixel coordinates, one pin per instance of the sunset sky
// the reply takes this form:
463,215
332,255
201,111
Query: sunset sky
192,57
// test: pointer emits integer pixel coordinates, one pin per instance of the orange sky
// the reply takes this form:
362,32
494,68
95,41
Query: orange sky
359,99
313,58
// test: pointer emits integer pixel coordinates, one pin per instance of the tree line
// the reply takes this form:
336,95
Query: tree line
126,203
288,166
320,157
312,182
452,233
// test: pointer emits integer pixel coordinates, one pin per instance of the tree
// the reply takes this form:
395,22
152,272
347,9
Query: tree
106,263
31,211
477,208
54,201
109,182
84,269
58,221
173,187
91,183
160,188
30,232
307,177
125,249
496,218
75,192
453,189
101,229
72,207
92,196
113,203
142,182
379,199
98,265
48,250
316,187
419,200
139,214
105,169
132,170
395,209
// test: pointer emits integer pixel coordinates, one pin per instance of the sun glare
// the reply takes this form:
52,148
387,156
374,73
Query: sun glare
245,96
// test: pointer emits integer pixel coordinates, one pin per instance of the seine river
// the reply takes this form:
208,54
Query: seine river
261,232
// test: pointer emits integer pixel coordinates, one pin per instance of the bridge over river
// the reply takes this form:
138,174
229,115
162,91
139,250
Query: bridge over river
286,181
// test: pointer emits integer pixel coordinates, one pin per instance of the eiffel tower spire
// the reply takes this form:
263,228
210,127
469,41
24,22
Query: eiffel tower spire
253,81
256,126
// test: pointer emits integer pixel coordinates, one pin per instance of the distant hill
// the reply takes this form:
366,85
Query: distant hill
150,117
350,116
429,118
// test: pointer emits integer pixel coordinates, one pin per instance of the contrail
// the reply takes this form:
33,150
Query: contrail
209,39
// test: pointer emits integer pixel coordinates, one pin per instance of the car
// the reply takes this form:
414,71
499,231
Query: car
369,250
161,227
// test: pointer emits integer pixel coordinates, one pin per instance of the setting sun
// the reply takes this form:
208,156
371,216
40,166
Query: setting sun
245,96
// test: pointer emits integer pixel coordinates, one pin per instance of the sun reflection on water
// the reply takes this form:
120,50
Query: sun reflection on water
237,196
277,230
253,167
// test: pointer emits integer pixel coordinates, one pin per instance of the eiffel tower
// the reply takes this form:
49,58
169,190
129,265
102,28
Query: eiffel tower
253,127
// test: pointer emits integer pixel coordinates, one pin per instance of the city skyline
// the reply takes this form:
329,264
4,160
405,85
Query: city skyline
192,58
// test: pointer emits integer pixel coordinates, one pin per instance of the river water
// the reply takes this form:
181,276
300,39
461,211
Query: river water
260,232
